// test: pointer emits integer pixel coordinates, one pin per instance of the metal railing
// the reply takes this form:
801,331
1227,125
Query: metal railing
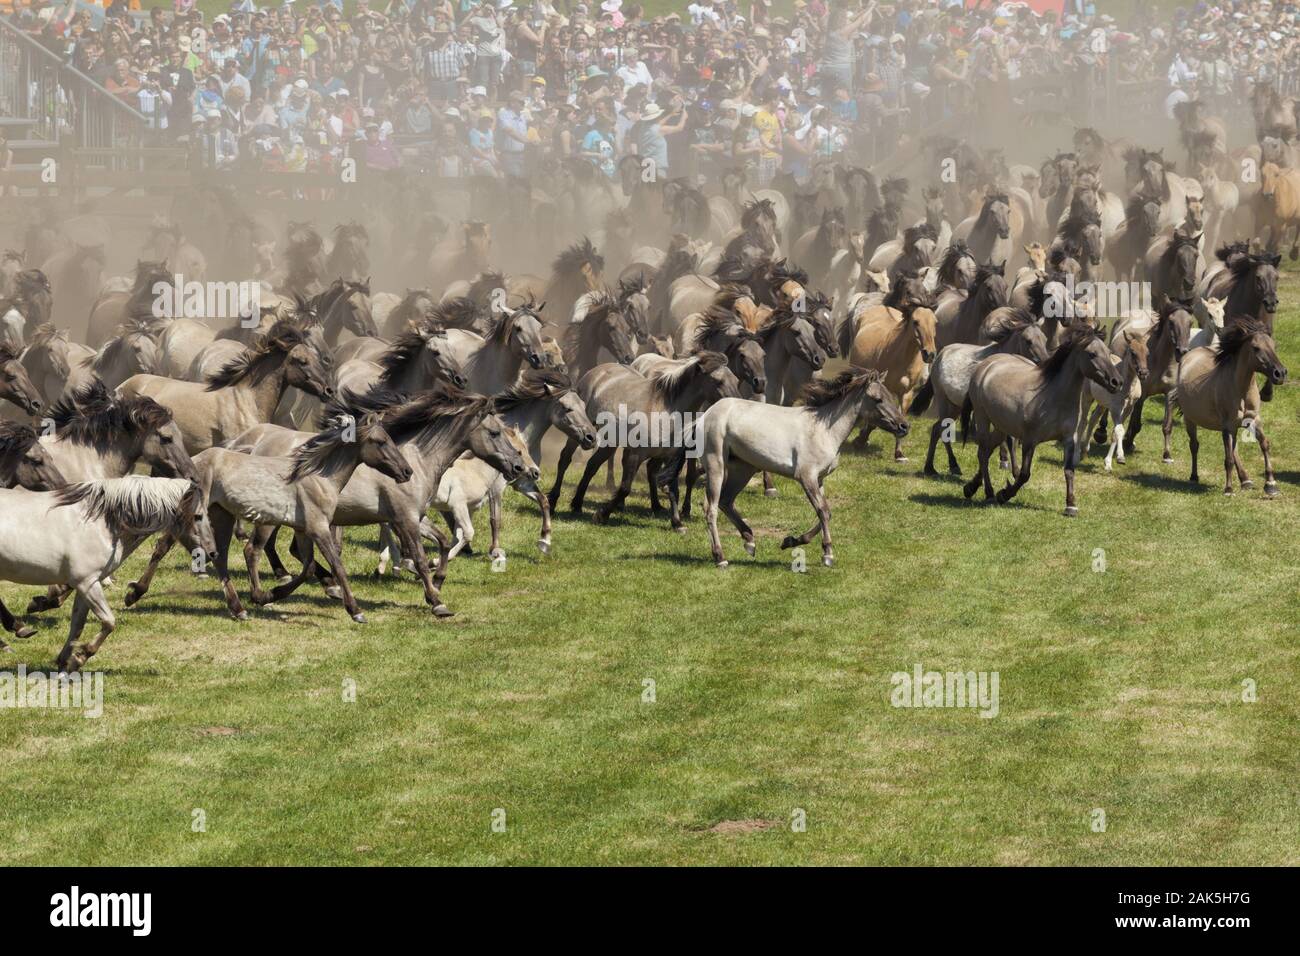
61,103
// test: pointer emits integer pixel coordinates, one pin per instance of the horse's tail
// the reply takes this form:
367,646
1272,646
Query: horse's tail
845,335
922,400
966,409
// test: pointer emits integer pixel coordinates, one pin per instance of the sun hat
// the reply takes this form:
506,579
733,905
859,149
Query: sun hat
651,111
478,91
749,109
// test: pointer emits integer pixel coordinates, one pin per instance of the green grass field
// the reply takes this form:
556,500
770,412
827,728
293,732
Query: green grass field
1119,691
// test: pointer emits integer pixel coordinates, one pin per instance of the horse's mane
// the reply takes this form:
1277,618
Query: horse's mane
534,384
884,219
754,211
303,237
1237,333
15,440
135,505
669,383
577,255
112,349
499,323
345,418
782,272
435,417
1076,335
822,391
1133,211
460,312
1250,261
898,185
279,339
7,353
1011,319
578,334
92,415
1079,219
406,349
484,284
914,234
350,230
896,299
720,318
45,334
952,256
1239,248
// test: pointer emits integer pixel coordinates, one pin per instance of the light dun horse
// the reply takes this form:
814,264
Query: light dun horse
77,536
738,438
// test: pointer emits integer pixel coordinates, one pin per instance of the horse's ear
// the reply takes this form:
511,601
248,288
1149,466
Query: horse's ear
1002,268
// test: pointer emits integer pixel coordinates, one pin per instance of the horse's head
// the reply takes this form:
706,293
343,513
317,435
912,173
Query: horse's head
1097,364
880,408
15,385
191,525
161,443
833,230
524,333
565,407
922,325
716,378
1176,317
379,451
1037,256
357,316
1136,355
446,367
25,462
489,441
1151,171
149,273
997,207
305,368
615,333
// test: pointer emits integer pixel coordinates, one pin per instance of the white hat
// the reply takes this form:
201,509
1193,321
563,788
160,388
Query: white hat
212,114
749,109
478,91
611,6
452,112
342,92
651,111
300,84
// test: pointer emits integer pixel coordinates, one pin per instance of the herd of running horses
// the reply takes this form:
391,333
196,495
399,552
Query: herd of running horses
773,322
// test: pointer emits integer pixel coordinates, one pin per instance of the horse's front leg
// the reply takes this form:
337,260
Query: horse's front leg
223,526
632,459
254,543
1167,428
1270,481
334,557
1229,459
138,589
494,520
93,598
1022,473
566,456
1242,477
11,624
69,659
1071,506
408,533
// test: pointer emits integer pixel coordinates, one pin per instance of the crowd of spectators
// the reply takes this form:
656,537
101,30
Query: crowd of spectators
493,88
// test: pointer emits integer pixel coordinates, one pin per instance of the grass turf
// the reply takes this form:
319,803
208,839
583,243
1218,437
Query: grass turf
1119,691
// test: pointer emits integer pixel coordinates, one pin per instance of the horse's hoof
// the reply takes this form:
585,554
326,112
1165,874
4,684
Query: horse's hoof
900,458
930,471
543,546
969,491
789,542
1071,511
954,470
201,575
770,492
1167,460
240,615
1227,492
1004,465
1270,489
723,565
600,516
133,593
750,548
441,610
1247,485
828,560
26,630
37,604
359,618
335,592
